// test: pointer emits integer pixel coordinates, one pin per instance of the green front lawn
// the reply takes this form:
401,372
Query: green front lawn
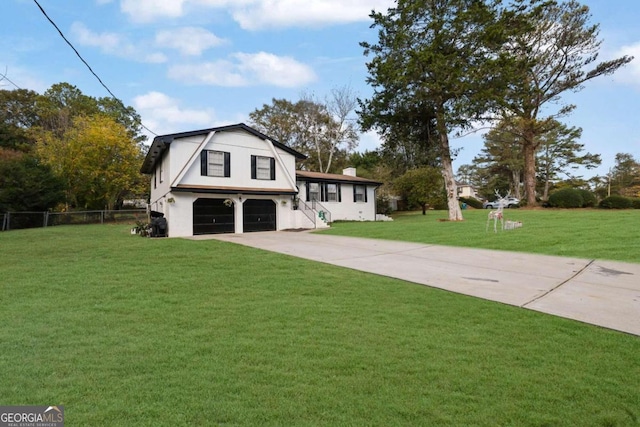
129,331
581,233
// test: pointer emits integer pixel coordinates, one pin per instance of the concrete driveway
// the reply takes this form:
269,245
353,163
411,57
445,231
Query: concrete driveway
604,293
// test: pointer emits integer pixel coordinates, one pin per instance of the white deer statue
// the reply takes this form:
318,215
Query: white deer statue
497,215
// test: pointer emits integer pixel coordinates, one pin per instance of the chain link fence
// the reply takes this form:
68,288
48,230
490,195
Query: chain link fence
21,220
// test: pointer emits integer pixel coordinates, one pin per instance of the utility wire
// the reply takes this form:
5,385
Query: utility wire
85,63
4,77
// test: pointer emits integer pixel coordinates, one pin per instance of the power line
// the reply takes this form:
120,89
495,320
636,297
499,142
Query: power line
4,77
85,63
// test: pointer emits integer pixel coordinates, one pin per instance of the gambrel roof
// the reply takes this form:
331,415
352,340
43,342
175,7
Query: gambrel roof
161,143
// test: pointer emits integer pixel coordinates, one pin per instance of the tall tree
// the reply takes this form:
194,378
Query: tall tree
97,159
560,152
556,53
26,184
60,104
502,155
18,113
625,176
439,60
323,130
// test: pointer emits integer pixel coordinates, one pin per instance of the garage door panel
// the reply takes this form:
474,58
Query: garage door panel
211,216
259,215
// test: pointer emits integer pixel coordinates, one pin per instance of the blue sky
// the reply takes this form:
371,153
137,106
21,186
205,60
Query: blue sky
192,64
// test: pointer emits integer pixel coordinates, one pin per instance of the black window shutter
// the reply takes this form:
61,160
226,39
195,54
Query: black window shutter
307,187
339,192
365,193
203,163
227,165
323,191
354,193
272,166
253,167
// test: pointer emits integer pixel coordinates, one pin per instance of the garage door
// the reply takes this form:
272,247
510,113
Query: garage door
211,216
259,215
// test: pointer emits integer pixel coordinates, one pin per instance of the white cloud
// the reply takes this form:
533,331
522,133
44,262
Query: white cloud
630,73
291,13
163,114
216,73
247,69
114,44
188,40
108,42
258,14
150,10
282,71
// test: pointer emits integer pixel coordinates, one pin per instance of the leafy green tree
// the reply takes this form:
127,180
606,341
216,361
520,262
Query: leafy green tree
502,156
97,159
421,187
625,176
439,60
321,130
126,116
556,53
18,113
60,104
559,153
26,184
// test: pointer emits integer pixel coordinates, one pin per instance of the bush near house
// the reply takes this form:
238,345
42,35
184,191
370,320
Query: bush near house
616,202
474,203
635,203
566,198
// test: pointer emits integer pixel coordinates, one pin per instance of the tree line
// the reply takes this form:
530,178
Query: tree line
439,68
442,67
65,150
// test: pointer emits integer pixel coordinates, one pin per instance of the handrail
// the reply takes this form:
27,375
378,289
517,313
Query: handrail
326,213
307,210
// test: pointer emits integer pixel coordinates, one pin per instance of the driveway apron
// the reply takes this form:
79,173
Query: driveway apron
603,293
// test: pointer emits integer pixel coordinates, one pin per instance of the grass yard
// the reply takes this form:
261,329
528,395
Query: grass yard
581,233
127,331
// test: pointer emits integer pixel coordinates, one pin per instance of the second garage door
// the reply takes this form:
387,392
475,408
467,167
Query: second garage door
259,215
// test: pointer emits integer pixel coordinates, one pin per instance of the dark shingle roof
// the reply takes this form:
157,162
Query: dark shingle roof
161,143
318,176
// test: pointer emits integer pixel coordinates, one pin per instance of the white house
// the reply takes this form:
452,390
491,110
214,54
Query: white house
467,190
234,179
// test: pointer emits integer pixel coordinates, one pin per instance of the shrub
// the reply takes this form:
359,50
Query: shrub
471,201
566,198
588,198
383,204
616,202
635,203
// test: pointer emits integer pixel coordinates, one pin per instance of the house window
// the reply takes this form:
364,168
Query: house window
215,163
314,191
162,171
332,192
359,193
263,168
